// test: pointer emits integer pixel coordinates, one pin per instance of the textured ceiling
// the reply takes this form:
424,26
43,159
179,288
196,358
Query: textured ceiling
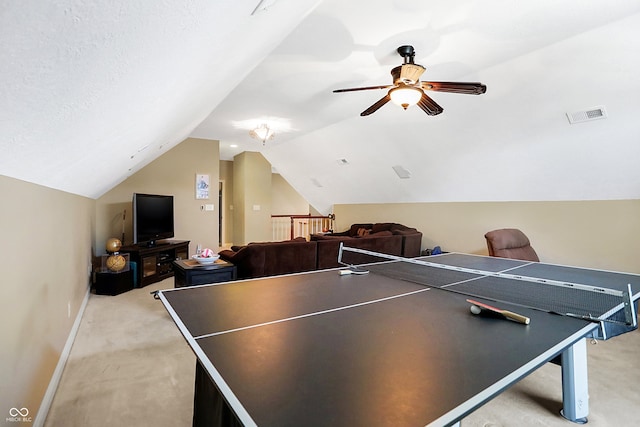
93,91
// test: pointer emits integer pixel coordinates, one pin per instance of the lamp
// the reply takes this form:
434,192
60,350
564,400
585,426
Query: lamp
405,96
262,132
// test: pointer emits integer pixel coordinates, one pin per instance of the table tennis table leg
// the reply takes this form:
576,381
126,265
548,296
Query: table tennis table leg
575,387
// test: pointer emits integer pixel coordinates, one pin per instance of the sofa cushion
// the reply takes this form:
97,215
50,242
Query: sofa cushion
353,230
403,229
227,254
278,242
405,232
378,234
249,260
328,249
316,237
381,226
363,232
293,257
395,228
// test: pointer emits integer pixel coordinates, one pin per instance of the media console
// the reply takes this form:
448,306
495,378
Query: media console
155,263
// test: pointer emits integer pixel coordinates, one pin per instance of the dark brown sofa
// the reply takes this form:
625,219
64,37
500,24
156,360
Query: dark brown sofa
386,237
298,255
329,245
272,258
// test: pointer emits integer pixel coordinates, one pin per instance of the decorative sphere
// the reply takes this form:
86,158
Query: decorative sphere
206,253
116,262
113,245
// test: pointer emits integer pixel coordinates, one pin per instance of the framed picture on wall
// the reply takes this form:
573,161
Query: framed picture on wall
202,186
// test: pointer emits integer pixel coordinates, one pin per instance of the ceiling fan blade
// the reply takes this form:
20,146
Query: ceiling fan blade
376,106
456,87
429,106
353,89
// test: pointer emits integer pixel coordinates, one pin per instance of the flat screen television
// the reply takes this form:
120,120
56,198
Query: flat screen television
152,218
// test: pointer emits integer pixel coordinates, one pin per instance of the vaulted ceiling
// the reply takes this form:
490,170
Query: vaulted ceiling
92,91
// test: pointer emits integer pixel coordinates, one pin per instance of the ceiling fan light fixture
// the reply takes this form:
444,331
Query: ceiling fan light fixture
263,133
407,89
405,96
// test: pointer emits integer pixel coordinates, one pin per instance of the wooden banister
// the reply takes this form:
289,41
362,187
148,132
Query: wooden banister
300,225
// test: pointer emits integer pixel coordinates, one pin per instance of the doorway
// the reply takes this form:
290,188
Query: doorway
220,219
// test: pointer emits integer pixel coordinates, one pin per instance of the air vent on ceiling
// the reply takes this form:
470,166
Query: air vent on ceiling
594,113
402,172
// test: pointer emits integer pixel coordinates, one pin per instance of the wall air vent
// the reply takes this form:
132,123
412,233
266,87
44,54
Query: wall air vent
594,113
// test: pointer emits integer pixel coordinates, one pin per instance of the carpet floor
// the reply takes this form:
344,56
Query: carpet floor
130,365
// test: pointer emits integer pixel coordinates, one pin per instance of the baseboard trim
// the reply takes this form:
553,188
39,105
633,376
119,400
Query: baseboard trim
45,405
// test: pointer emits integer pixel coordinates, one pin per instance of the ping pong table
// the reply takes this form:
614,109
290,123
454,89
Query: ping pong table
397,346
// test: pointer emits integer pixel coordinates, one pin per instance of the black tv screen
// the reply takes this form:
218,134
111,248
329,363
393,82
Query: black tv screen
152,218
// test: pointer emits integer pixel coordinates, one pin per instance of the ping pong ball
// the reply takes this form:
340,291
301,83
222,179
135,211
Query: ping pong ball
475,309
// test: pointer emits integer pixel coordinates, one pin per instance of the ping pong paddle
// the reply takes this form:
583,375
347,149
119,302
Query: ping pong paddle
353,270
478,307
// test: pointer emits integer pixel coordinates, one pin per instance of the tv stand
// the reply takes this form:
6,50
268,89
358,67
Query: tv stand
155,263
155,243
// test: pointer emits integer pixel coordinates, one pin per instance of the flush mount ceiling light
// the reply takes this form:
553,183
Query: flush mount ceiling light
262,132
265,127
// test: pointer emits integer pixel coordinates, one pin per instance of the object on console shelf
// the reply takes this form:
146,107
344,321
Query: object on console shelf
114,263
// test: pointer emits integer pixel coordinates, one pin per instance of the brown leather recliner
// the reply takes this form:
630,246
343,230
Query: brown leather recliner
510,243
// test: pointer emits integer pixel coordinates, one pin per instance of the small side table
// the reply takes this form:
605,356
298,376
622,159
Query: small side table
108,283
188,272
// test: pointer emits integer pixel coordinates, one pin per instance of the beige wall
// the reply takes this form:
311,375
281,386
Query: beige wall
47,240
285,200
251,187
173,173
275,197
594,234
226,177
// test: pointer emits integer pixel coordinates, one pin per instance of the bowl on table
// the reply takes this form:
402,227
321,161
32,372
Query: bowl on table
206,260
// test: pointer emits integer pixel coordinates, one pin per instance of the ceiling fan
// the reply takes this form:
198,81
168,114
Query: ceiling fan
407,89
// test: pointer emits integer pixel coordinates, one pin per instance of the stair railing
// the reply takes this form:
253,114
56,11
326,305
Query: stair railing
287,227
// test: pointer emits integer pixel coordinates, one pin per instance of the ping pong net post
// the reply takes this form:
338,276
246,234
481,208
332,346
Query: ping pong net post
612,307
354,257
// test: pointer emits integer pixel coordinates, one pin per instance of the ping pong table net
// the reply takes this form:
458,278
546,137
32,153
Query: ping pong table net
593,303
